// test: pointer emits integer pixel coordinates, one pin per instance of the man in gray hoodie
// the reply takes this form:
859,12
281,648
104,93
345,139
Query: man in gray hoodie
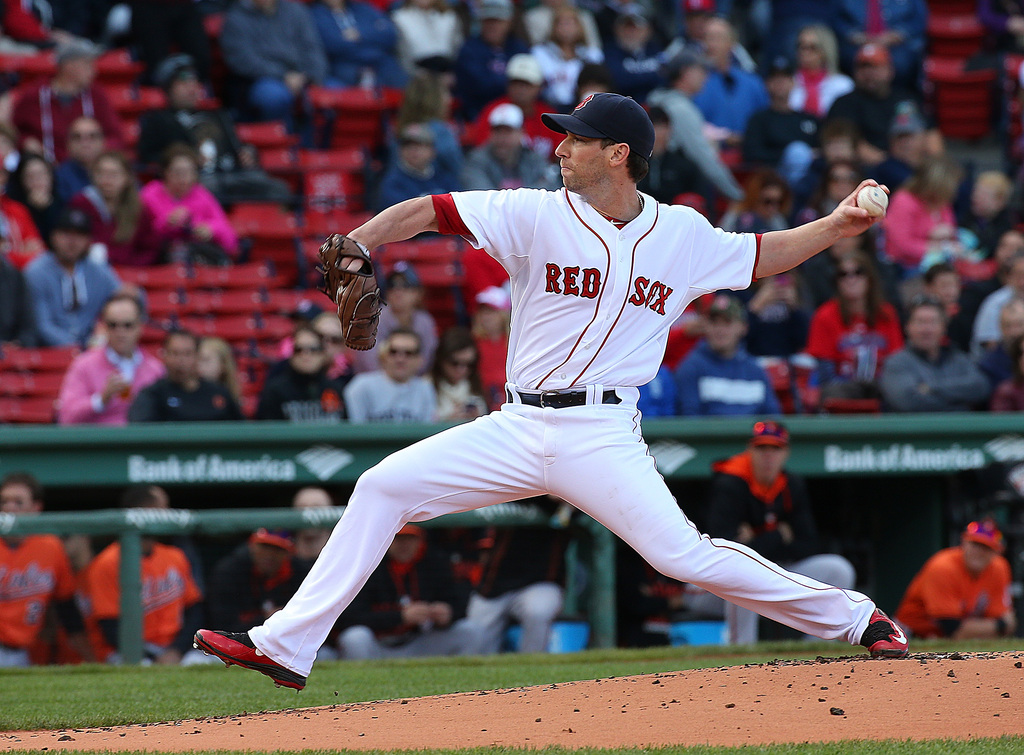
686,73
273,46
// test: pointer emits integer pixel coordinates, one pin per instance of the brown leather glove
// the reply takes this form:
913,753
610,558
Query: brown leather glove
350,282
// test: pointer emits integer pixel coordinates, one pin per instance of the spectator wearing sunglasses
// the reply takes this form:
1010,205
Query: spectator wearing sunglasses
853,333
393,393
766,206
101,383
302,391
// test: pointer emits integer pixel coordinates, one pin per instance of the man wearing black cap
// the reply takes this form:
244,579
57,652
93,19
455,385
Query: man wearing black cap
69,289
229,169
599,272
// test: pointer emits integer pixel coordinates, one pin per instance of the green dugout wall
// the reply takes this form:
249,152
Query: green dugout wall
901,462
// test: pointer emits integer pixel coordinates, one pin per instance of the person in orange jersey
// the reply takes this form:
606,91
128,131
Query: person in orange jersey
171,602
34,574
962,592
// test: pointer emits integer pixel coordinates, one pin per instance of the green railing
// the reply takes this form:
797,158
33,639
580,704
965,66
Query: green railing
130,525
243,453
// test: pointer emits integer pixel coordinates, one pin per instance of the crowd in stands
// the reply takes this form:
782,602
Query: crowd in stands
222,134
168,168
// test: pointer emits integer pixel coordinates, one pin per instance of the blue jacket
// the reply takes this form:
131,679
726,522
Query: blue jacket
258,46
375,43
398,184
658,397
709,385
480,73
635,75
729,100
56,322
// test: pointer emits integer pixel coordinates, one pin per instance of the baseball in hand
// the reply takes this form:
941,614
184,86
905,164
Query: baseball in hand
874,200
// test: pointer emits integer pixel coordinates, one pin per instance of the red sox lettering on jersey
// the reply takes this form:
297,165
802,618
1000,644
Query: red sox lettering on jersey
592,302
571,281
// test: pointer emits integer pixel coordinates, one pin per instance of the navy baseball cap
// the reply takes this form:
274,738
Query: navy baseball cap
607,116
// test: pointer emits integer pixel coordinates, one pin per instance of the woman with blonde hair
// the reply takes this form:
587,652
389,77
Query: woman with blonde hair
217,363
120,220
920,217
563,55
818,82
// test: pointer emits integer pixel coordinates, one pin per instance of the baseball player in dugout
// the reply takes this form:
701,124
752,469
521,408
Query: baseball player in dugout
599,272
35,574
757,502
962,592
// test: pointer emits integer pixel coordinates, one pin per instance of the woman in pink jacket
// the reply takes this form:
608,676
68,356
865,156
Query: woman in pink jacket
920,217
188,219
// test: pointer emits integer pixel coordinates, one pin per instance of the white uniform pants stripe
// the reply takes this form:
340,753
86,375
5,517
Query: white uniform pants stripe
593,457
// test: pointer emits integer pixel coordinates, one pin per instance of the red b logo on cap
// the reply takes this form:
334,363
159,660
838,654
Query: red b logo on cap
584,102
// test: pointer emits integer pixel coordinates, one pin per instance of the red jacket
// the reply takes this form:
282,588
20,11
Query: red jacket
21,231
39,114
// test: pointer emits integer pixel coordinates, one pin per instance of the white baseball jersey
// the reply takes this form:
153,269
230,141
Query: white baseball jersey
592,304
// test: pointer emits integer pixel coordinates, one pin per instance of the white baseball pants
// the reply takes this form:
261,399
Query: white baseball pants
535,607
594,457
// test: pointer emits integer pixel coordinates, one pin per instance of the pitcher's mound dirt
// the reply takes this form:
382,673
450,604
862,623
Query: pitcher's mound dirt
925,696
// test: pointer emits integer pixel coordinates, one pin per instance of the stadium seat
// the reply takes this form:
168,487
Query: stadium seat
27,410
31,383
246,275
333,179
954,36
46,359
116,68
961,100
266,135
353,116
131,102
156,277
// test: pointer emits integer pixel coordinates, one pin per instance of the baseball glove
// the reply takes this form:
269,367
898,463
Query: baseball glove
351,284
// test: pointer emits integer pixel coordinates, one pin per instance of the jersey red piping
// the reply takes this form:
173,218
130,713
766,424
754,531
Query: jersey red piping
632,264
757,257
597,304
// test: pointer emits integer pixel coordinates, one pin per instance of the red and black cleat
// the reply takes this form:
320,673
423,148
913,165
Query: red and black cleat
236,649
884,638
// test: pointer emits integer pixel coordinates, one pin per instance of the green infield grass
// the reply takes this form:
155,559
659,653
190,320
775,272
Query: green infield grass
91,695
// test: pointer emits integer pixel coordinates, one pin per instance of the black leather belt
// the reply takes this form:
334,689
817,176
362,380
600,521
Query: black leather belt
561,399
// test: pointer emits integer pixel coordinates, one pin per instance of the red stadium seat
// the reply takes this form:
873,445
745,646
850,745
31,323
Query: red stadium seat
250,275
267,135
27,410
962,100
954,36
357,117
31,383
131,102
116,67
158,276
48,359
